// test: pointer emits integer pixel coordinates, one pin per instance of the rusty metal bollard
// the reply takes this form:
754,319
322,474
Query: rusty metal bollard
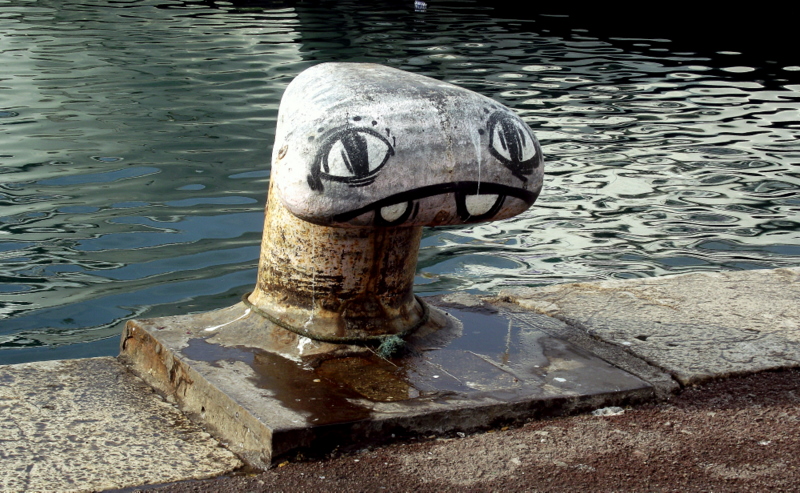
364,157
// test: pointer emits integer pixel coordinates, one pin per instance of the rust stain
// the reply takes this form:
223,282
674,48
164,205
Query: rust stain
367,378
157,365
349,282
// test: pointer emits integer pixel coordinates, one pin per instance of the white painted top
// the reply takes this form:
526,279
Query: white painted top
368,145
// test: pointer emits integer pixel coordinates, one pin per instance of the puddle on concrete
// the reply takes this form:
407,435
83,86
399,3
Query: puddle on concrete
496,355
295,387
199,349
477,367
371,378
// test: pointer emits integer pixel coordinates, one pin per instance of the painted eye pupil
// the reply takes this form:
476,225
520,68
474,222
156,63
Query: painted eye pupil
356,154
512,144
350,155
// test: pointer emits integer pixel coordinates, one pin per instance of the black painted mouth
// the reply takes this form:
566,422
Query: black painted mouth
475,201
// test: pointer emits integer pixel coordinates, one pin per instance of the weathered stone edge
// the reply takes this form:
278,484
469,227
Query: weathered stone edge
194,395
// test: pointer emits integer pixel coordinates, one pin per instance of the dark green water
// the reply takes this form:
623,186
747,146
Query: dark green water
135,139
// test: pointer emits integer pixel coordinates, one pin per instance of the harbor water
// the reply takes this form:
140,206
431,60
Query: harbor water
135,141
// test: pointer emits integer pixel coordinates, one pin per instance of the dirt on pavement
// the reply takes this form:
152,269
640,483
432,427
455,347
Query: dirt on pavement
740,434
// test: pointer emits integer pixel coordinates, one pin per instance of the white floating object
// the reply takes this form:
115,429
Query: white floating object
608,411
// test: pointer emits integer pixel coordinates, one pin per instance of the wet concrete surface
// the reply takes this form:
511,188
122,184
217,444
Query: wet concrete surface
477,368
88,425
695,327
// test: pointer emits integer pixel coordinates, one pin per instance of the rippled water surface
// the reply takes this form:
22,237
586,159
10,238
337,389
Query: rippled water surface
135,139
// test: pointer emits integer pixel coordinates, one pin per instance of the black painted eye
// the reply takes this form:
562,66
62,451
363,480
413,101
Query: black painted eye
352,155
512,143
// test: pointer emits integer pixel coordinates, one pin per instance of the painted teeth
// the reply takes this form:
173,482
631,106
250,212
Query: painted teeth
478,205
392,213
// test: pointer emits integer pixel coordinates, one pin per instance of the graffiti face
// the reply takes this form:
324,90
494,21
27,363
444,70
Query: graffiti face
381,147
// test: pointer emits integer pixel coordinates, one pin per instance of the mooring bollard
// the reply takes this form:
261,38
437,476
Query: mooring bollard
364,156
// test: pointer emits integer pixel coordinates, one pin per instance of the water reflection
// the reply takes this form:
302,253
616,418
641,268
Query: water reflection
135,138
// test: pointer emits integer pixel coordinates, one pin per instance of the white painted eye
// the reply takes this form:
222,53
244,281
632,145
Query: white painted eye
338,161
499,143
513,142
528,149
354,155
392,213
478,205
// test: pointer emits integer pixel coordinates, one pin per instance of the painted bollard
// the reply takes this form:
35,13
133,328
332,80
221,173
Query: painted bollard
332,349
364,157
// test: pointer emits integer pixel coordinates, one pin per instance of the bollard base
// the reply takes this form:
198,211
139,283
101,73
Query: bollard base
266,392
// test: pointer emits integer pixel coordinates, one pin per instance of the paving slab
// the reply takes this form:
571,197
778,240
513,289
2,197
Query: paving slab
90,425
696,326
664,385
478,369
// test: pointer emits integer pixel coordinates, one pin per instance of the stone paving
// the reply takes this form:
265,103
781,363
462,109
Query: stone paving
88,425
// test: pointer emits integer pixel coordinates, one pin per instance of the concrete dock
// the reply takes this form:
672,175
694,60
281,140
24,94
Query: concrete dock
89,425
